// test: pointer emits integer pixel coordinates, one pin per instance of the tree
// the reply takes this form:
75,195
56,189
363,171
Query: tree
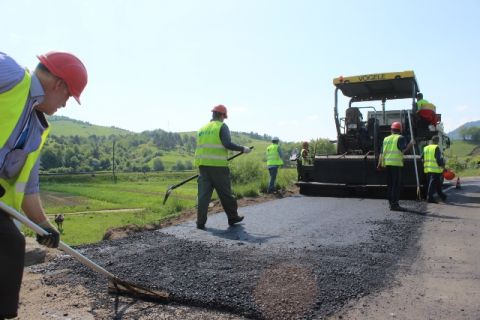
158,164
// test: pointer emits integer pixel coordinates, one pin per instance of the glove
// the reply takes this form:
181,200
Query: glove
50,240
246,150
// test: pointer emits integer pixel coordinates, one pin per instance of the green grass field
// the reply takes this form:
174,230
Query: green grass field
135,198
464,158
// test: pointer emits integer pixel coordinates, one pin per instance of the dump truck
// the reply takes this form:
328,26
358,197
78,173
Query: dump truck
352,170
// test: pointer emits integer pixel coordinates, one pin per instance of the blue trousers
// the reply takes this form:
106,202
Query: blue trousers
273,176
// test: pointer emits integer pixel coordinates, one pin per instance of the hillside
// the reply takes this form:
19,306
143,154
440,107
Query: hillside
77,146
64,126
455,134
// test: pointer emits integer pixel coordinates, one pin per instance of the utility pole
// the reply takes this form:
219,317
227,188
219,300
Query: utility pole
113,162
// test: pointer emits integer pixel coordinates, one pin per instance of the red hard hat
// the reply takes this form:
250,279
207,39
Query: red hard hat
448,174
396,126
220,109
67,67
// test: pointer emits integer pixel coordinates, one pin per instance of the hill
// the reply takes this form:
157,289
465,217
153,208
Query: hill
455,134
64,126
77,146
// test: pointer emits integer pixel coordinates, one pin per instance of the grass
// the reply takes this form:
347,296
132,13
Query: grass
83,199
460,158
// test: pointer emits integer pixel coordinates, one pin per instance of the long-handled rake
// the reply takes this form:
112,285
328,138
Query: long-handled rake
181,183
116,285
419,193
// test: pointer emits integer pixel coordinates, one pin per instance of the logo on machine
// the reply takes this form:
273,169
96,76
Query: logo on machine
372,77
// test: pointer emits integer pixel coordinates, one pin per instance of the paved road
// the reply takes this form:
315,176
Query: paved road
295,222
293,258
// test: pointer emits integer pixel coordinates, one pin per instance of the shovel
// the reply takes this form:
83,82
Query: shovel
171,188
116,285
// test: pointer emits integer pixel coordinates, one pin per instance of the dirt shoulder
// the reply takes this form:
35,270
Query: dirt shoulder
443,280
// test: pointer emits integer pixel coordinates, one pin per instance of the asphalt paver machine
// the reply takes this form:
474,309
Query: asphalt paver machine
352,170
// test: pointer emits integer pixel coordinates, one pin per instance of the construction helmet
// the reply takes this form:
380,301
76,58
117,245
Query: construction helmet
67,67
220,109
397,126
275,139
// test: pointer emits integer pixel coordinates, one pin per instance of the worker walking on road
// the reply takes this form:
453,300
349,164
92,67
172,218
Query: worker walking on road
274,161
391,158
433,166
25,98
213,143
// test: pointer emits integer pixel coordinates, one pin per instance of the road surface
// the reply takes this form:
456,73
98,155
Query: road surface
293,258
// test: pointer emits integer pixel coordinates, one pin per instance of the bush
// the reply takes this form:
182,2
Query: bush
246,170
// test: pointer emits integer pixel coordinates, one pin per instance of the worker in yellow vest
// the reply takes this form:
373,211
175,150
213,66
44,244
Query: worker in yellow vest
211,154
433,166
25,99
274,161
426,111
391,158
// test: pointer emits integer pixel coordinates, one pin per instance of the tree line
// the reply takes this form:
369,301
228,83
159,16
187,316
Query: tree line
155,150
470,133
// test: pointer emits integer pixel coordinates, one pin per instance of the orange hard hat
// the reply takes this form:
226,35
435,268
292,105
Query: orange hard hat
396,126
448,174
220,109
67,67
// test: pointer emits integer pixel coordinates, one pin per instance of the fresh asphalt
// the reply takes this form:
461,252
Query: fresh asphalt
336,249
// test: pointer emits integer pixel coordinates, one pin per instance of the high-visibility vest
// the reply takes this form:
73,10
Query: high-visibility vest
12,103
425,105
429,161
303,159
210,150
273,157
392,156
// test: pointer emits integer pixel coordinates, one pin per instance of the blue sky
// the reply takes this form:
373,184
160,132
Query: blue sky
165,64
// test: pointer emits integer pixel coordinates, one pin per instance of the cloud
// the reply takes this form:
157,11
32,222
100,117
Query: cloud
313,117
240,109
462,108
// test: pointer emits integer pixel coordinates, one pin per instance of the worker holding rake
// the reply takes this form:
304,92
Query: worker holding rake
213,143
25,99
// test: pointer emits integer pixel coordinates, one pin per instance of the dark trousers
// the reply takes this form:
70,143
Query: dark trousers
273,177
217,178
394,184
435,185
12,257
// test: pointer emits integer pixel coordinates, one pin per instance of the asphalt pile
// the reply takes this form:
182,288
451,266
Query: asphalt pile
253,282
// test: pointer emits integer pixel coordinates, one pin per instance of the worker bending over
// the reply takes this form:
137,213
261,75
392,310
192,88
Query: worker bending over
25,99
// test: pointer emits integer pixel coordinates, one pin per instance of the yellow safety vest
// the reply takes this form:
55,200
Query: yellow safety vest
12,103
210,150
303,160
425,105
273,157
429,161
391,155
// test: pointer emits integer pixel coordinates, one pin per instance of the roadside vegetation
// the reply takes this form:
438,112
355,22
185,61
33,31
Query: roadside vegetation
464,157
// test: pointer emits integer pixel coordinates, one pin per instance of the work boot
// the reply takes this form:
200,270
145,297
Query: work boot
234,220
201,226
432,201
443,197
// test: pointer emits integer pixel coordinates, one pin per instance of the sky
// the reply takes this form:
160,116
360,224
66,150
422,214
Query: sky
165,64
